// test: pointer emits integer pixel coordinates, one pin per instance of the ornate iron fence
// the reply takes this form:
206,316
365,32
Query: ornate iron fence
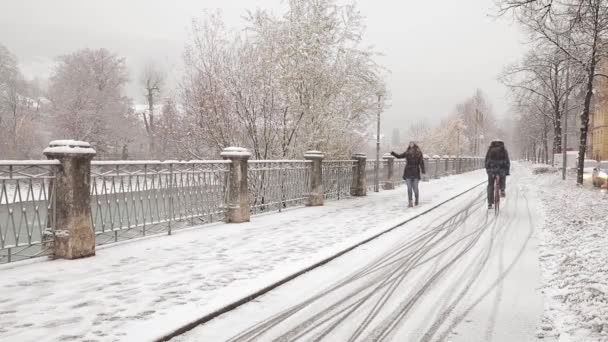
337,178
27,202
370,173
277,184
132,199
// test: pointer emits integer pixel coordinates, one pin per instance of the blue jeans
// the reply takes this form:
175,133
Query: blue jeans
412,185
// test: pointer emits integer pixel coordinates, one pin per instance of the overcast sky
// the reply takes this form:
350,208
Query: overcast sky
438,51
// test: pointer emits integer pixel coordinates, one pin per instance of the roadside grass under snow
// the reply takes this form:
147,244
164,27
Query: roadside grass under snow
574,260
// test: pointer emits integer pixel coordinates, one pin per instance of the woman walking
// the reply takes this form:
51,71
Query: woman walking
413,168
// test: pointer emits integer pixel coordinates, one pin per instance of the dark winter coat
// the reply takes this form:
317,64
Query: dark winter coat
497,159
414,162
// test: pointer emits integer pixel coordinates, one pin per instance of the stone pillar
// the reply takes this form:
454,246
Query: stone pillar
427,172
317,195
437,160
73,236
238,192
359,185
390,170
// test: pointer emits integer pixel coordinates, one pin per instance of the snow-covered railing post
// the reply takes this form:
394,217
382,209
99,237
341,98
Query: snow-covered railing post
238,210
74,236
359,185
316,196
390,170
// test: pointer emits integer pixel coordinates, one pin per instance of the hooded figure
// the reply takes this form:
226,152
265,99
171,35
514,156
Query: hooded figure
413,168
497,164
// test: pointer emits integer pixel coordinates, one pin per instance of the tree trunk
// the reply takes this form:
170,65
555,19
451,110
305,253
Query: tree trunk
557,137
545,142
152,129
582,149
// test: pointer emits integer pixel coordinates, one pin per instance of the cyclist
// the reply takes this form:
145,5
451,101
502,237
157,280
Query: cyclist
497,164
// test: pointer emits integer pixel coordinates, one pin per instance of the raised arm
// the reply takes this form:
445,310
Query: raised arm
398,156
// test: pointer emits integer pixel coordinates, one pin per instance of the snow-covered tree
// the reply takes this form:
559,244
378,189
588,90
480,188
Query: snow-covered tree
578,29
543,77
19,111
88,102
290,83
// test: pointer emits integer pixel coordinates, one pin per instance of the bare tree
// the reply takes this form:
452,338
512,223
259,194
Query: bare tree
152,80
543,75
579,30
476,113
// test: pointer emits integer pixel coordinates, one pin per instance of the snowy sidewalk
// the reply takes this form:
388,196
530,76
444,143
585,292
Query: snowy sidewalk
574,259
141,290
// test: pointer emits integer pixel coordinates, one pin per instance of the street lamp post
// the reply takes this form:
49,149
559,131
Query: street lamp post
565,126
377,166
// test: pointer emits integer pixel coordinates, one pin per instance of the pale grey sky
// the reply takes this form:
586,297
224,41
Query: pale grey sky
438,52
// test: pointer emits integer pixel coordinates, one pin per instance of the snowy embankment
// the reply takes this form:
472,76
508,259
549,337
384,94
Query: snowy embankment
144,289
574,259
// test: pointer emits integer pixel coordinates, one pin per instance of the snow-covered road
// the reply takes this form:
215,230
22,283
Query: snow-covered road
145,289
458,274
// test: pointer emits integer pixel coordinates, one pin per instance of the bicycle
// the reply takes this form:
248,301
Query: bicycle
497,194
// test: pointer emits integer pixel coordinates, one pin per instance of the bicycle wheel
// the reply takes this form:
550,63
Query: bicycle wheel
496,194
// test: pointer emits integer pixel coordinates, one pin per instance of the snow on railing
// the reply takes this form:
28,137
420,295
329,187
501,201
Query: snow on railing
27,200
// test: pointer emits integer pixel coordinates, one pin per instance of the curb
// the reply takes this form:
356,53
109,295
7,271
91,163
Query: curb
189,326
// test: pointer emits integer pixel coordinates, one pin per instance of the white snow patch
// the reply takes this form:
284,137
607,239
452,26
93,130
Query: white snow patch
69,146
574,258
235,152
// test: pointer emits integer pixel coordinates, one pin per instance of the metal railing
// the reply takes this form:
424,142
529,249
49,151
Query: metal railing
370,173
133,199
137,198
27,202
337,178
277,184
398,170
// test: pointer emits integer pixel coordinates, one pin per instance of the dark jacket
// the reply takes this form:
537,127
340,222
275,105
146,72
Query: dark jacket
414,162
497,159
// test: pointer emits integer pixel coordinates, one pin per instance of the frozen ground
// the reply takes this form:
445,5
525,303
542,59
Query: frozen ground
574,259
140,290
459,274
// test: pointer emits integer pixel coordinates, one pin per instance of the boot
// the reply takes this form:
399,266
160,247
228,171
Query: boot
503,193
490,206
410,205
416,202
